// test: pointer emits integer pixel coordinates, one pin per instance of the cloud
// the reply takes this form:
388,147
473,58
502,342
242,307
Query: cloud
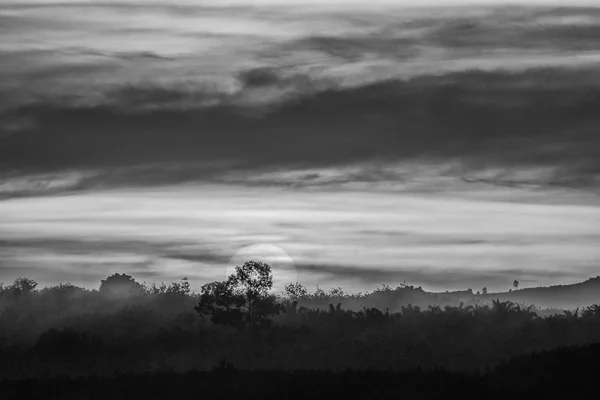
430,279
322,130
194,229
352,49
538,118
86,261
494,88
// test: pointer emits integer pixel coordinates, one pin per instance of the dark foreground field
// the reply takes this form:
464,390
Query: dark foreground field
560,372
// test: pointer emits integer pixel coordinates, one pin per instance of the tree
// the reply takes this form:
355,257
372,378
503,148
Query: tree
516,283
243,299
319,293
180,288
219,300
294,291
62,294
336,293
24,285
120,285
484,291
254,279
21,288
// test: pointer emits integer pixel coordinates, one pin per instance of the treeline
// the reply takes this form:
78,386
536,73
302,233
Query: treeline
560,372
131,327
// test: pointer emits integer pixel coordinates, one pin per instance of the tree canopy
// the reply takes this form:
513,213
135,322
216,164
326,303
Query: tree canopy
120,285
243,300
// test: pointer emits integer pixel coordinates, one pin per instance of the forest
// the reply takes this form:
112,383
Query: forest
127,327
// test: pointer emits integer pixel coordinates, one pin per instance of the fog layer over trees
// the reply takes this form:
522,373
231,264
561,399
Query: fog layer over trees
132,327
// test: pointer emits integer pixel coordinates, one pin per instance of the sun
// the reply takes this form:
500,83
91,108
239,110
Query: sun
282,266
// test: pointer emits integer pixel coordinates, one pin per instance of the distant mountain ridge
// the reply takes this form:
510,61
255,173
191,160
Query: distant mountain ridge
559,296
570,296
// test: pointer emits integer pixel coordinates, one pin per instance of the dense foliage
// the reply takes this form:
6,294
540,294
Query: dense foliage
243,300
132,327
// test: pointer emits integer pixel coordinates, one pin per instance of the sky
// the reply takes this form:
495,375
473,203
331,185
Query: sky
448,144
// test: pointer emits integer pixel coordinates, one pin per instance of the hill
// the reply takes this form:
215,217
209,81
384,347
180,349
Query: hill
551,299
559,296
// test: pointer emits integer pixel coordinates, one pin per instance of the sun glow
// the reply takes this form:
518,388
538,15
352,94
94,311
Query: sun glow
282,265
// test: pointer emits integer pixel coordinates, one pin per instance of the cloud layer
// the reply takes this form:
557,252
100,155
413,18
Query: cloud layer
356,240
449,146
142,83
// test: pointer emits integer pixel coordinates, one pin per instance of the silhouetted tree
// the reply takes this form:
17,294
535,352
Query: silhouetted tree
484,291
174,289
243,299
516,283
336,293
24,285
20,289
254,280
591,311
219,300
120,285
295,291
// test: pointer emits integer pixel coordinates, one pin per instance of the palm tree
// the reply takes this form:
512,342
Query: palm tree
572,314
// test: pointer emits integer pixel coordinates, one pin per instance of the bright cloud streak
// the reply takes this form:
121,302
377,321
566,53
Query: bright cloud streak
388,233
